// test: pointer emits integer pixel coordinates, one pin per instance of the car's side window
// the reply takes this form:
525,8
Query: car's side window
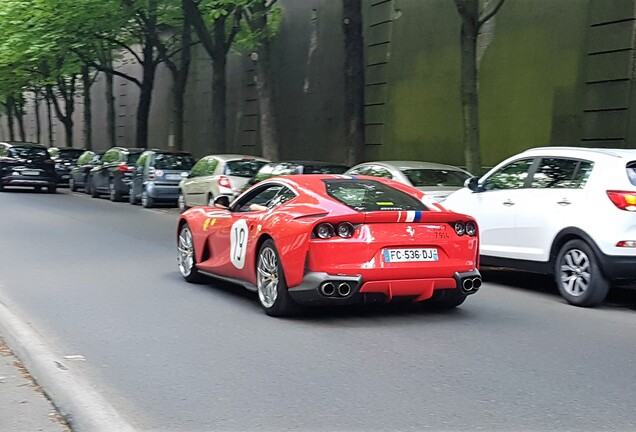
265,198
511,176
211,166
560,173
199,168
363,170
379,171
3,151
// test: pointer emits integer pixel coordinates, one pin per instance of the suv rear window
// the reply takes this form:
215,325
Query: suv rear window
28,152
243,168
371,195
435,177
631,172
324,169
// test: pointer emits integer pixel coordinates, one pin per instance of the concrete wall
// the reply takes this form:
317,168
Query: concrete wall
533,90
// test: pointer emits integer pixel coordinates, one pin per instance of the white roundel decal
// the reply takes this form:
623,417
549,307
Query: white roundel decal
238,243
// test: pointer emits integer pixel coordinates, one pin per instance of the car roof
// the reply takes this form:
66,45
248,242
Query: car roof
229,156
402,165
310,162
24,144
582,152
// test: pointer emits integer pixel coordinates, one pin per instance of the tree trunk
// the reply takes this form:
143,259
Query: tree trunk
219,90
36,109
149,68
470,104
110,110
9,105
18,109
49,116
178,111
88,113
270,143
354,81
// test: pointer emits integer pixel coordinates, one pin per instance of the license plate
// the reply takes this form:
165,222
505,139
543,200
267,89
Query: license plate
410,255
30,173
173,176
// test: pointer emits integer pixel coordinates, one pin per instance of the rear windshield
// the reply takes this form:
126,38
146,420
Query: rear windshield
69,154
371,195
243,168
435,177
324,169
132,158
173,161
631,172
29,153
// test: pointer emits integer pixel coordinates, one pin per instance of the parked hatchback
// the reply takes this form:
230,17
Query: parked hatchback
65,159
284,168
157,175
568,212
435,180
112,176
79,173
216,175
26,164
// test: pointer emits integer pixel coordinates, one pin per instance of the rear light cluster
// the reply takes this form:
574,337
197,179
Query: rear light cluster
624,200
124,168
468,228
224,182
626,244
326,230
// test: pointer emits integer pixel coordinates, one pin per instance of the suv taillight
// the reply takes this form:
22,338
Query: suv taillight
624,200
224,182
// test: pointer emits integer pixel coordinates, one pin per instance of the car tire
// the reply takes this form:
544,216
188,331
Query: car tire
114,194
186,257
92,189
147,201
445,299
51,189
579,276
131,197
181,204
71,185
274,299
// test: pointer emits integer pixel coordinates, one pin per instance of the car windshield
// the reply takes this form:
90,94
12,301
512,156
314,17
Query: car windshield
29,153
371,195
167,161
132,158
324,169
69,154
435,177
243,168
631,172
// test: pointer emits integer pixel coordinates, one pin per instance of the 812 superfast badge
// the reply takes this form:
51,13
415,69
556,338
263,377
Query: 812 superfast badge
329,239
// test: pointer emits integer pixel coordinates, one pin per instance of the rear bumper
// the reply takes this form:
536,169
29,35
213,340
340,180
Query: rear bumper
319,288
621,268
28,181
163,192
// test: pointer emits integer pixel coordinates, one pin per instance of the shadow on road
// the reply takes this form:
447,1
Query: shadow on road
619,296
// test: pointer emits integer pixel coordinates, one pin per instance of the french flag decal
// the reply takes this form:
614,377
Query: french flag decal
411,216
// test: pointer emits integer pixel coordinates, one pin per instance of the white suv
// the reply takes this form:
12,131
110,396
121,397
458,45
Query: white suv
569,212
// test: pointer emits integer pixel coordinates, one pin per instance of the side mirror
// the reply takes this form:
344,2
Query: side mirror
222,201
472,184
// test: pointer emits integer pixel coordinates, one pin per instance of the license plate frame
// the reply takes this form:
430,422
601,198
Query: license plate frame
30,173
395,255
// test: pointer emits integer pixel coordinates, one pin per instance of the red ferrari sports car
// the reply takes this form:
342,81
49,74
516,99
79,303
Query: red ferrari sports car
333,239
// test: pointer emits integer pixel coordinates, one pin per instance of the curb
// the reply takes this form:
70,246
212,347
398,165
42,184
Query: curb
78,402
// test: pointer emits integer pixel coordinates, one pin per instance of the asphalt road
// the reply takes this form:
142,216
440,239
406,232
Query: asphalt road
99,280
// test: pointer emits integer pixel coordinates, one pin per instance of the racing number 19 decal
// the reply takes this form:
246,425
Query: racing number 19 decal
238,243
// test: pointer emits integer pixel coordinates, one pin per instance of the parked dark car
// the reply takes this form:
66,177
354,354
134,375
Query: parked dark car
113,176
157,175
26,164
79,173
274,169
65,159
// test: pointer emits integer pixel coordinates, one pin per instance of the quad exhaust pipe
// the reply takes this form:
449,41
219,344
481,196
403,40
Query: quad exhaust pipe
329,289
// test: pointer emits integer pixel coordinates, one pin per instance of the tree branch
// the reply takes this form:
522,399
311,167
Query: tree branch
484,18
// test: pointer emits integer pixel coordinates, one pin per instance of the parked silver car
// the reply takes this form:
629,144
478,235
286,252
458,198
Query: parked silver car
215,175
436,180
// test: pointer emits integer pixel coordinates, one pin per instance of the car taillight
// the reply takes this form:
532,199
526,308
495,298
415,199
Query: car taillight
224,182
124,168
624,200
626,244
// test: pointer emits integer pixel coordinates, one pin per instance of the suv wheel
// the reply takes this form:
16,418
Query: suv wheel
131,196
579,276
92,189
146,200
115,195
210,200
71,185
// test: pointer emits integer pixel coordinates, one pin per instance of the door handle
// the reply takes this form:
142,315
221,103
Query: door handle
508,202
564,202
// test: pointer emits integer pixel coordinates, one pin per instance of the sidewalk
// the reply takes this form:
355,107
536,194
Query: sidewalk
23,405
